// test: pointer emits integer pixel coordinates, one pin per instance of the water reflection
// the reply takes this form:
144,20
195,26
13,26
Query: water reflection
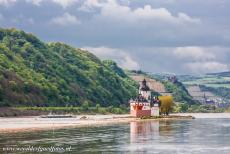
140,131
166,127
170,136
143,131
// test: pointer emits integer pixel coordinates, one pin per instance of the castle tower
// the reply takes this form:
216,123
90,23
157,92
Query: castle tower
144,90
141,106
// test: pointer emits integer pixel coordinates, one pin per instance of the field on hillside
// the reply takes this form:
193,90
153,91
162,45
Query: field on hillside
162,86
217,84
210,81
153,84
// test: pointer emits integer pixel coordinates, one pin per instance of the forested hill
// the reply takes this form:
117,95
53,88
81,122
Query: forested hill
34,73
221,74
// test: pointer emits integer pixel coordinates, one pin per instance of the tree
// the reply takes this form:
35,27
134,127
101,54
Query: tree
166,103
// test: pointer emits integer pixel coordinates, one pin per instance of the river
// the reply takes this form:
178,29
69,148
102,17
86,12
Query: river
201,136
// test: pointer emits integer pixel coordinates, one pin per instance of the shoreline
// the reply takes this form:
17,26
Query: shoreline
36,123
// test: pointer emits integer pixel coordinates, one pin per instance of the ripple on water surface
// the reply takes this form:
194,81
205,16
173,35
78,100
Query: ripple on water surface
205,136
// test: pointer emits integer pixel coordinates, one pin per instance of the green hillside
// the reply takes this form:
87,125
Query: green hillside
34,73
179,92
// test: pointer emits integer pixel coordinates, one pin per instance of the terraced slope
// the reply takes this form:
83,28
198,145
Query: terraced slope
153,84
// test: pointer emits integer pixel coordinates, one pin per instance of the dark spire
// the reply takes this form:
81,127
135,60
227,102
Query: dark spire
144,86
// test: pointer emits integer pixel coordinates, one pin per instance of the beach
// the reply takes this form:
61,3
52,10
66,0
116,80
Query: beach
37,123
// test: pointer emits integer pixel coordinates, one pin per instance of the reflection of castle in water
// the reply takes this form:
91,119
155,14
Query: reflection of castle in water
140,131
166,128
144,131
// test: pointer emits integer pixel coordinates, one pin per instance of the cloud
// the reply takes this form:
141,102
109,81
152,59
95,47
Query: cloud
35,2
207,67
201,59
122,57
89,5
121,25
1,17
62,3
185,17
65,3
159,36
187,60
149,13
23,20
193,53
111,9
7,2
65,20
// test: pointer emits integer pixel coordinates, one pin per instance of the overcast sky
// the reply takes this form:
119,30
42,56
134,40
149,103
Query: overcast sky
175,36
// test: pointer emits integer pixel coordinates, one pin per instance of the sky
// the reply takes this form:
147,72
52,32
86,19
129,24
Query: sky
157,36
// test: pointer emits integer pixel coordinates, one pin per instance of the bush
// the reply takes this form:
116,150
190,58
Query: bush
184,107
102,110
85,106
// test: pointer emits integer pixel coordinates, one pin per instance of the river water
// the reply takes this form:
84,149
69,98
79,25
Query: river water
201,136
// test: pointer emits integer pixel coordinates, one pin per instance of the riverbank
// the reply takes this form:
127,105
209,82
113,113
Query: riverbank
37,111
37,123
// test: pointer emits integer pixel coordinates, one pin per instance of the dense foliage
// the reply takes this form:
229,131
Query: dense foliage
33,73
179,92
183,107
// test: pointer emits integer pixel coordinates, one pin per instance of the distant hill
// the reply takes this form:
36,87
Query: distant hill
222,74
34,73
215,83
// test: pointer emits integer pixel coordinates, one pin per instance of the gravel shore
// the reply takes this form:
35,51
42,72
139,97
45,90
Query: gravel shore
36,123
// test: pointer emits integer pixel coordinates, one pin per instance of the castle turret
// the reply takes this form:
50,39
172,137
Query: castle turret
144,90
144,86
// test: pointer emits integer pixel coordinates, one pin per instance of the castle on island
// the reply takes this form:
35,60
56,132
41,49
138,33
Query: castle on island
145,104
